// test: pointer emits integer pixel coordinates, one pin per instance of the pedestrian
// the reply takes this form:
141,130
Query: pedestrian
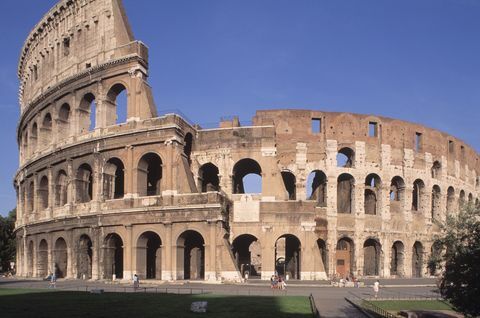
376,288
53,280
136,282
272,280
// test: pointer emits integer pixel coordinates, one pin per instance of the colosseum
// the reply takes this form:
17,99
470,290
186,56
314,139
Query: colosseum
99,197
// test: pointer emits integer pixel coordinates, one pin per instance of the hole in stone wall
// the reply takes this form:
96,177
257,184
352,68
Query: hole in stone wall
345,184
208,178
290,184
149,175
317,187
345,157
247,177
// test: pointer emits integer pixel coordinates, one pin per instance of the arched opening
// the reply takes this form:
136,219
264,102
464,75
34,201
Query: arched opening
450,200
30,197
397,194
417,259
113,179
371,257
290,184
436,257
372,193
34,138
61,258
42,262
436,169
436,197
248,255
247,177
187,147
84,184
322,248
461,200
397,260
208,178
25,145
61,189
344,256
470,199
113,256
417,195
87,113
43,193
317,187
46,131
149,175
63,122
345,158
287,256
84,257
345,184
149,256
30,261
190,256
117,98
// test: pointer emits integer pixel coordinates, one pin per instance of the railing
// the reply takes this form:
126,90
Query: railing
314,308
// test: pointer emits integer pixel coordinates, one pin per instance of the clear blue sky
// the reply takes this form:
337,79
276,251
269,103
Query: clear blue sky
417,60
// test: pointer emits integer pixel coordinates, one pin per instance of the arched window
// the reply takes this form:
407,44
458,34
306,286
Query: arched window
345,193
84,183
208,178
247,177
118,100
371,257
461,200
29,202
87,115
149,174
436,196
46,131
317,187
436,169
450,200
63,122
345,157
61,188
113,179
397,194
43,193
34,137
290,184
372,193
418,195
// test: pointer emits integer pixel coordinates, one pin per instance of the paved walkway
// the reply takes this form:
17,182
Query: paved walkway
330,301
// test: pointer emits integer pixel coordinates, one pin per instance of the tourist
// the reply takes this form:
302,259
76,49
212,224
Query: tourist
53,281
376,288
136,282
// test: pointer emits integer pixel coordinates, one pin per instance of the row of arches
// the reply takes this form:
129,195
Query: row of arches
190,255
65,120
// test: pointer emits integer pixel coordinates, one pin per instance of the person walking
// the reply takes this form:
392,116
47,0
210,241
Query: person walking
53,280
376,288
136,282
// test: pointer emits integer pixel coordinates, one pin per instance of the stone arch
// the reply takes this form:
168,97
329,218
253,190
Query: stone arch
345,193
436,200
30,258
288,256
63,122
417,259
84,257
43,193
470,198
61,189
244,168
190,255
84,183
116,96
323,249
397,259
42,259
344,257
25,145
450,200
248,255
34,138
112,256
397,194
345,157
60,258
208,179
149,175
418,194
317,187
46,130
114,179
461,200
373,185
87,113
372,250
289,182
149,256
30,197
436,169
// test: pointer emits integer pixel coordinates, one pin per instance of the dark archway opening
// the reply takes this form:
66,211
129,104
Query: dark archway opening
113,256
290,184
61,258
149,256
191,255
84,258
317,187
397,259
287,256
344,256
417,259
248,255
42,263
208,178
114,179
371,257
249,170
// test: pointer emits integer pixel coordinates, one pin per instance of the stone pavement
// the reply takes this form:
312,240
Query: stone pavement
330,301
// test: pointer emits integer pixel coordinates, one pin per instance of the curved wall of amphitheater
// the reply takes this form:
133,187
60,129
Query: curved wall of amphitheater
341,194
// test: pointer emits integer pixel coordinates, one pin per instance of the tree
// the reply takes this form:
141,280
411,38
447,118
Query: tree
460,243
7,239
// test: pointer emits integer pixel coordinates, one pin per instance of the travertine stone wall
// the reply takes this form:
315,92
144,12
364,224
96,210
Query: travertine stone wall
169,200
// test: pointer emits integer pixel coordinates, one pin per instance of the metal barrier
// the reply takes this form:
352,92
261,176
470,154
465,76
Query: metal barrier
314,308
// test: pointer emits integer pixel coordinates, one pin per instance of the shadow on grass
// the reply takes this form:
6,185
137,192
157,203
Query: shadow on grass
34,303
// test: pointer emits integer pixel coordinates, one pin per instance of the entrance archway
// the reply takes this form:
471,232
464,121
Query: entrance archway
190,255
61,258
417,259
398,256
84,257
113,256
42,264
248,255
149,256
371,257
287,256
30,259
344,256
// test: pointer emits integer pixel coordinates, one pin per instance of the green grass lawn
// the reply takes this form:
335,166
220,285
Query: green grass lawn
45,303
397,305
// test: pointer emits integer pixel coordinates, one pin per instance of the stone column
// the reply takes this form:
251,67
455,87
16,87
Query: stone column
129,266
167,257
71,259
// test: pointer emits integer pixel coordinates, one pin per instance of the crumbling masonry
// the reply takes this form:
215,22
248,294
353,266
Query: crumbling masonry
341,194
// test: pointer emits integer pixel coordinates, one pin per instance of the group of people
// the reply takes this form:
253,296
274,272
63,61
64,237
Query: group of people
277,282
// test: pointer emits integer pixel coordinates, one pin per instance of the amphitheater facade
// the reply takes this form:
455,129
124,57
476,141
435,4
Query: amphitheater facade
341,194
